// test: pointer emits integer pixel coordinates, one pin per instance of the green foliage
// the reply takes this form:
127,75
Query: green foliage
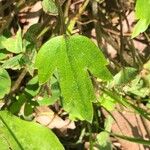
3,54
32,87
19,134
142,13
13,63
124,76
55,94
147,65
49,6
140,27
2,38
107,102
68,68
14,44
16,106
138,88
73,57
123,101
5,83
103,137
33,32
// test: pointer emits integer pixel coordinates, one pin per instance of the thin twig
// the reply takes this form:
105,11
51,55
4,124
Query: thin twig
61,17
19,80
121,41
90,136
76,18
66,12
97,23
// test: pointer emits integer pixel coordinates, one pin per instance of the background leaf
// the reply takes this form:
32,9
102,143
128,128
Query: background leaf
2,38
49,6
14,44
141,8
124,76
21,135
3,54
107,102
5,83
103,137
33,32
13,63
140,27
142,12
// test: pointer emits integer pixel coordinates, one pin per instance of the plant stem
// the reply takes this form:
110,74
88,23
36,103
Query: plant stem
19,80
81,135
90,136
97,23
61,17
14,88
75,19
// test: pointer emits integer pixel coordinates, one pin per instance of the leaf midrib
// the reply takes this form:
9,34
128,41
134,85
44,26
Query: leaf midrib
72,69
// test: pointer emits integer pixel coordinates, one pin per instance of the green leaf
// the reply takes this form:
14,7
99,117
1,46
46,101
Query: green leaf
124,76
29,108
108,123
32,87
5,83
29,57
3,54
47,101
3,143
13,63
139,86
142,12
14,45
33,32
103,137
73,57
107,102
49,6
103,142
2,38
140,27
142,9
55,93
18,134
